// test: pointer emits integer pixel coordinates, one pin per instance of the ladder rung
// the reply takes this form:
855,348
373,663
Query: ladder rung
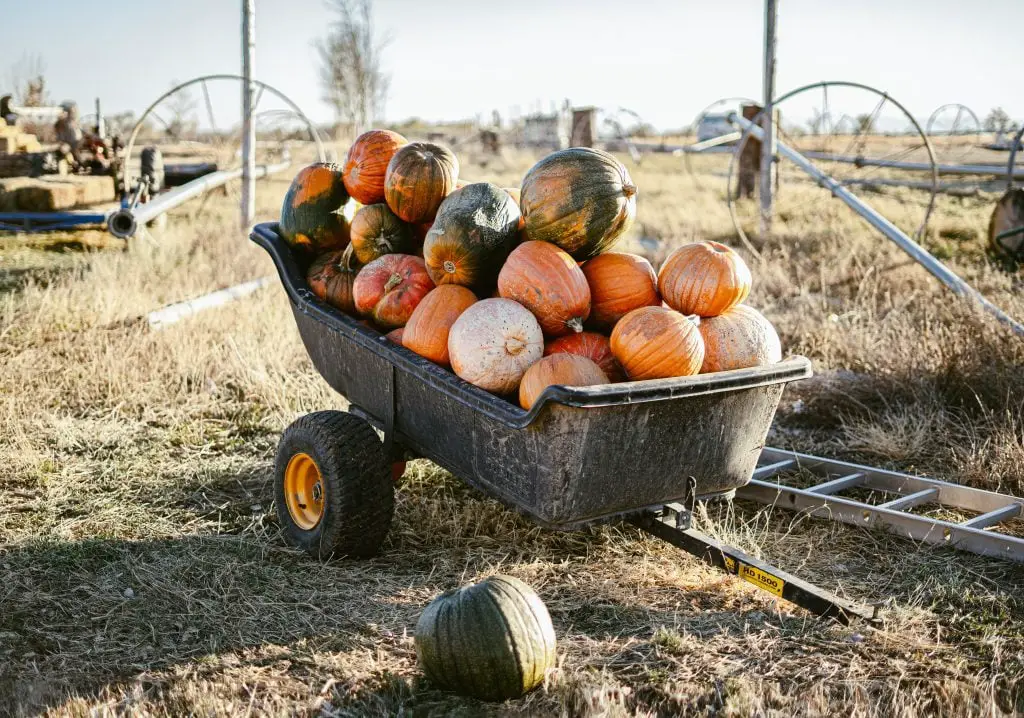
836,485
905,502
770,469
993,517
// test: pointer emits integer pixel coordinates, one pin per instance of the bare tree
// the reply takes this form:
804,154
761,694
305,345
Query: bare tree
28,82
865,124
182,106
353,82
999,121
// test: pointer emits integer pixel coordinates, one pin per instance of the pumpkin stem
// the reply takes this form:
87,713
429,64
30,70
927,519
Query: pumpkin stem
629,189
346,258
514,346
393,281
576,324
449,266
385,244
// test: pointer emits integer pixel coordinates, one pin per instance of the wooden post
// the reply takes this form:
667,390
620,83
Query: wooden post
248,128
750,158
767,119
582,134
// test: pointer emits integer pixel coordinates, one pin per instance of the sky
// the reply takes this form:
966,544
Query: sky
457,59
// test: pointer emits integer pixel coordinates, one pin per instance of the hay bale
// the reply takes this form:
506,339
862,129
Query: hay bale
89,189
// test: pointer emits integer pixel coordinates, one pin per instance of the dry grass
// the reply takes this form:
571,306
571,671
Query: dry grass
142,572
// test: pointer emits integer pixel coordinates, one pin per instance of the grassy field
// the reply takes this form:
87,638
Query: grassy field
142,571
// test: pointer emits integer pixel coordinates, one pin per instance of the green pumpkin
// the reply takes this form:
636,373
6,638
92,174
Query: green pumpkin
475,229
377,231
313,216
492,640
579,199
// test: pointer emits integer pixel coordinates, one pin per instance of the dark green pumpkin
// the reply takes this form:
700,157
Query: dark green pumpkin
376,231
492,640
475,229
313,214
580,199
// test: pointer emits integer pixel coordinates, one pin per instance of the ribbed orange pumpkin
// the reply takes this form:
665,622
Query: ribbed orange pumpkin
376,231
738,338
704,278
419,177
493,343
563,369
548,282
657,343
388,289
428,327
395,335
591,345
367,164
331,276
619,283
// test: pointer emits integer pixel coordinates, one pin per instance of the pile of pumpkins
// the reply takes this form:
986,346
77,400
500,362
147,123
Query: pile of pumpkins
516,289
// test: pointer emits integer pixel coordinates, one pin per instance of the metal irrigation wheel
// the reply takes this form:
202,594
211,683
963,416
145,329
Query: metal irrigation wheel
209,139
888,155
954,130
711,167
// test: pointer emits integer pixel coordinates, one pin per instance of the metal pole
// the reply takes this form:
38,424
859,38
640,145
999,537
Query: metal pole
768,119
939,270
124,222
101,126
248,128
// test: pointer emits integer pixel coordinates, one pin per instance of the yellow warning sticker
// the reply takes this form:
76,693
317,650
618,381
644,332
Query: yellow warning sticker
762,579
730,564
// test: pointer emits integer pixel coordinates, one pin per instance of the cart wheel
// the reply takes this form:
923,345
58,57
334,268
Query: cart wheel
335,495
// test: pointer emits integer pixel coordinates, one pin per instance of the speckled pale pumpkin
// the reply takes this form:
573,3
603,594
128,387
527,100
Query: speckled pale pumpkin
493,343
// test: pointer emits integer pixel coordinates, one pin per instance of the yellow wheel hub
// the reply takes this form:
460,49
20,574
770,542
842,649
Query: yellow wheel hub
304,491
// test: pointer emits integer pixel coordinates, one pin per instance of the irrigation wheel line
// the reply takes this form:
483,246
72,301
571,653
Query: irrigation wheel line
737,101
1011,163
201,81
965,124
919,254
824,86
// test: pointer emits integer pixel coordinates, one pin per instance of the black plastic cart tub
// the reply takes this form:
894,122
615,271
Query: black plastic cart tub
580,454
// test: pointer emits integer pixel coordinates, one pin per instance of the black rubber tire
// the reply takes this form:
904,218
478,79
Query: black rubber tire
359,493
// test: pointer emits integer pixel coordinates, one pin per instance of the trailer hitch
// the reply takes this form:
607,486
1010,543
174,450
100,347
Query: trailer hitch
671,523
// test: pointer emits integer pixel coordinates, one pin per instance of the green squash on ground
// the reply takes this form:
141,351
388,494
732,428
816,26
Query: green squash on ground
492,640
475,229
579,199
313,216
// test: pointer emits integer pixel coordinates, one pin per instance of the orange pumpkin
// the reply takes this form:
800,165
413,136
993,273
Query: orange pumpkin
619,283
419,177
376,231
595,347
548,282
428,327
514,191
656,343
738,338
704,278
561,369
493,343
395,335
388,289
331,276
367,163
